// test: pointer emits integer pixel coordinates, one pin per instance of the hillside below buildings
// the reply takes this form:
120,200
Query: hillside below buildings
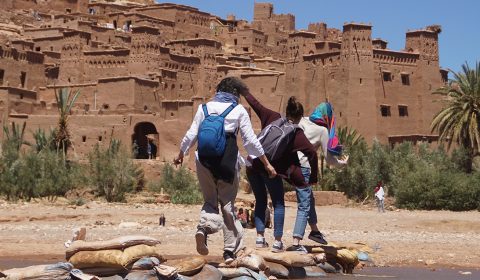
143,69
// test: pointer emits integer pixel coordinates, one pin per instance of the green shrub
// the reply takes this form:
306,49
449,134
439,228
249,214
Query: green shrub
180,184
434,189
35,175
417,176
112,172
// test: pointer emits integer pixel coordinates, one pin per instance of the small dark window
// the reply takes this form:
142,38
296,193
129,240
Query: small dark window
245,49
84,138
444,77
68,11
21,95
361,81
106,106
403,111
99,138
37,49
405,79
171,114
23,78
385,110
235,41
2,74
387,76
145,108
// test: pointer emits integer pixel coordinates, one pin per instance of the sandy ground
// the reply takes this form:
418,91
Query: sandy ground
411,238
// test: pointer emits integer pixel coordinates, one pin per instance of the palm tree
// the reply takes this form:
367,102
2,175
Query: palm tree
65,101
16,136
459,120
349,137
44,141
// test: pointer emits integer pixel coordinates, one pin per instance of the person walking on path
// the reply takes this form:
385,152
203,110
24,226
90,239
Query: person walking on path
287,166
218,169
379,197
316,128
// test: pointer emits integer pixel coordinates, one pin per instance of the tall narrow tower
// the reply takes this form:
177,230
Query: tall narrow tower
356,100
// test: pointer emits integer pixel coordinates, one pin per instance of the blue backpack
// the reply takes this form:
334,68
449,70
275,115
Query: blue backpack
211,133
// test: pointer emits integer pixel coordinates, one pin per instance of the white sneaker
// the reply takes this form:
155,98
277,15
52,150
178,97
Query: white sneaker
261,243
278,247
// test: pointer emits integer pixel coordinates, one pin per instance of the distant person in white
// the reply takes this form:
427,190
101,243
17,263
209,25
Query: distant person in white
379,197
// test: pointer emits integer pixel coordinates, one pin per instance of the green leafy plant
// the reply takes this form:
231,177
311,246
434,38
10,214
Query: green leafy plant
65,101
459,120
180,184
112,172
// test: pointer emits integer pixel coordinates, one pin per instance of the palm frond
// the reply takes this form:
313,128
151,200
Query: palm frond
458,122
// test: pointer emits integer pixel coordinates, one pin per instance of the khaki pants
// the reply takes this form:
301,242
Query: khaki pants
214,192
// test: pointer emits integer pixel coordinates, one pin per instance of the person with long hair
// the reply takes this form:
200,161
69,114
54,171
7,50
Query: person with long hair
287,167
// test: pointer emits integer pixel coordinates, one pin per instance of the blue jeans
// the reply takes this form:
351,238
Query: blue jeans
260,183
306,207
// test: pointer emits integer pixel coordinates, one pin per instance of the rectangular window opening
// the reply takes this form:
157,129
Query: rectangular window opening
2,74
387,76
403,111
405,79
385,110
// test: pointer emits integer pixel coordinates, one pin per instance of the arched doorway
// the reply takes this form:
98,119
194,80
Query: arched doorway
143,134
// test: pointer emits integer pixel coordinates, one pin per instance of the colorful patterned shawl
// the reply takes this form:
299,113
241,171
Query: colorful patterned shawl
323,116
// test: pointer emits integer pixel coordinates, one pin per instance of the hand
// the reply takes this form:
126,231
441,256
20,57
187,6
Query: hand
271,171
179,159
344,159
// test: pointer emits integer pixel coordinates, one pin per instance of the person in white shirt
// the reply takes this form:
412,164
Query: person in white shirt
219,182
379,197
318,136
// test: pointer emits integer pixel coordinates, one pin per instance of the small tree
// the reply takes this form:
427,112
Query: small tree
65,101
112,172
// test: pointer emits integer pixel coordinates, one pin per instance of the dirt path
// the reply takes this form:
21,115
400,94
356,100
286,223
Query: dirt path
436,238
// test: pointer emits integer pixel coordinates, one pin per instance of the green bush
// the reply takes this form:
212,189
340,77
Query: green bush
432,189
417,176
35,175
180,184
112,172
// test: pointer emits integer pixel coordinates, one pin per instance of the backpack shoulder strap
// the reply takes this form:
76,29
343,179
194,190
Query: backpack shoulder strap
205,110
228,110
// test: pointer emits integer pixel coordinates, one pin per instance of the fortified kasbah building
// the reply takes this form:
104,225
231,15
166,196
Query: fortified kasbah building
143,69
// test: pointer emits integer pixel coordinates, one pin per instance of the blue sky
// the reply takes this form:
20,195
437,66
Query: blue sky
459,40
